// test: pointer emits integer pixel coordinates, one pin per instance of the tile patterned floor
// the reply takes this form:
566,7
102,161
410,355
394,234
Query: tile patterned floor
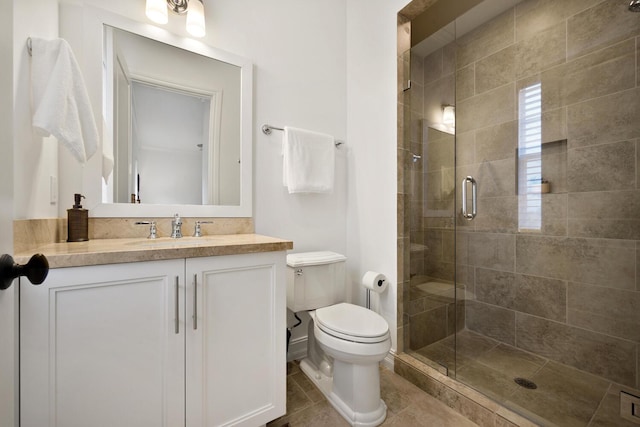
564,395
407,405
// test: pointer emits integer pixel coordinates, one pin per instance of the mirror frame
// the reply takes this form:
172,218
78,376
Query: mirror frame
87,42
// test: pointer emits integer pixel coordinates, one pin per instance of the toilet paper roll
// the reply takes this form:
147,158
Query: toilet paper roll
377,282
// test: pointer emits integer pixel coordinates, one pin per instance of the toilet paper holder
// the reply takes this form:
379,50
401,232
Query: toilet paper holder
367,300
373,281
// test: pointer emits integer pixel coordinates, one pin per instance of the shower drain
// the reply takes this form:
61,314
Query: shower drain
523,382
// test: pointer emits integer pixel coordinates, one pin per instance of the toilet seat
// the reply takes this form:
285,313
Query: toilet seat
352,323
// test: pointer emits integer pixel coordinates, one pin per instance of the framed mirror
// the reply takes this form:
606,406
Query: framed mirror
176,119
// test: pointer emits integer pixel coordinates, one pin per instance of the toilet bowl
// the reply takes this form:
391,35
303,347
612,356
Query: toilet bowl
345,342
353,341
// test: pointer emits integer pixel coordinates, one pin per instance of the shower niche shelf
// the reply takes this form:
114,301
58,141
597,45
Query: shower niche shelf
542,170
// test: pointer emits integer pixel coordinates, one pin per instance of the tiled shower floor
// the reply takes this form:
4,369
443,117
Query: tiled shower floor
564,396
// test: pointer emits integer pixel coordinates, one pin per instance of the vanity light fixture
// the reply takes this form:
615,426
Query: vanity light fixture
157,11
449,115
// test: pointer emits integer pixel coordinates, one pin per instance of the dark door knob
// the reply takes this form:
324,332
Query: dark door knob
36,270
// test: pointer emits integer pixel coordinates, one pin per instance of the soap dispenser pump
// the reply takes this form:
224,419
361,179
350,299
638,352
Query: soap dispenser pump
77,221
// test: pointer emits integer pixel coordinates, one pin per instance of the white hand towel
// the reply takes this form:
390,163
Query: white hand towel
60,100
309,161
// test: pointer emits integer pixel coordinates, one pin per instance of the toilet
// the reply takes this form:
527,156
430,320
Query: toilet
345,343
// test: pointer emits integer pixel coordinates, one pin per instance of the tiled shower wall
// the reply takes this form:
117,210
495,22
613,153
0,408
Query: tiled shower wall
569,291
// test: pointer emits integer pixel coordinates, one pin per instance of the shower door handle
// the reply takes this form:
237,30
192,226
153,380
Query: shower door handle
474,198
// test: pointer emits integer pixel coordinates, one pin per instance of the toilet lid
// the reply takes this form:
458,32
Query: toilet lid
352,322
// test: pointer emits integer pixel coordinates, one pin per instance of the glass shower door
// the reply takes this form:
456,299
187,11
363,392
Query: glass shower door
547,270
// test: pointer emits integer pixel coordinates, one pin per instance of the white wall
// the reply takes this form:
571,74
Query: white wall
372,134
36,159
328,66
18,20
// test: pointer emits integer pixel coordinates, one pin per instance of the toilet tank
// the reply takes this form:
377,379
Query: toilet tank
315,280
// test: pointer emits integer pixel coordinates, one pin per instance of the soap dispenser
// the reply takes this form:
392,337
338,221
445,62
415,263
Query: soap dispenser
77,221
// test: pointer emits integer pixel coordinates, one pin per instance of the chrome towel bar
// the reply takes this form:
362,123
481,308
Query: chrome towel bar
266,129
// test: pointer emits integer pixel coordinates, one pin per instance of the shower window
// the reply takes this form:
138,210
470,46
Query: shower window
530,158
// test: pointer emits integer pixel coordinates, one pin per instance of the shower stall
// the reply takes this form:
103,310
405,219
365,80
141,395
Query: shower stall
519,203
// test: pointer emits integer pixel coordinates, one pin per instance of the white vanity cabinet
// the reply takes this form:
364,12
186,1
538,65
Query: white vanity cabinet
194,342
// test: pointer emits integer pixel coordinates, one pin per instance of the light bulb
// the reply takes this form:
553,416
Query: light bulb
157,11
449,115
195,19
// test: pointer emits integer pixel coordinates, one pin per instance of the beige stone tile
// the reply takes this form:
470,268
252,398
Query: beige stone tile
534,16
497,142
553,220
417,101
605,119
590,261
615,327
440,151
602,167
436,94
604,204
602,25
610,214
417,69
600,73
496,178
494,322
441,354
512,361
495,70
465,82
529,294
415,128
493,383
605,301
608,414
599,354
399,393
605,228
487,109
490,250
471,345
403,34
428,327
486,39
497,214
432,67
540,51
320,414
296,398
310,390
465,148
554,125
449,53
403,76
555,398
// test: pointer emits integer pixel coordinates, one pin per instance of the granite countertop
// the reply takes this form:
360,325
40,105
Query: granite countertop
112,251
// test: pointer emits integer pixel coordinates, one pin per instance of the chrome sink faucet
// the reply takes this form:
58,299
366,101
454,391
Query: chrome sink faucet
198,229
176,227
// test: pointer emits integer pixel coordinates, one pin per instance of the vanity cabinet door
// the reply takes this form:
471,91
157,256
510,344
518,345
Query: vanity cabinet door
236,340
99,347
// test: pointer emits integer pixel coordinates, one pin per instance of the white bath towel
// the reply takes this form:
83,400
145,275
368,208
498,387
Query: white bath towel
61,104
309,161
